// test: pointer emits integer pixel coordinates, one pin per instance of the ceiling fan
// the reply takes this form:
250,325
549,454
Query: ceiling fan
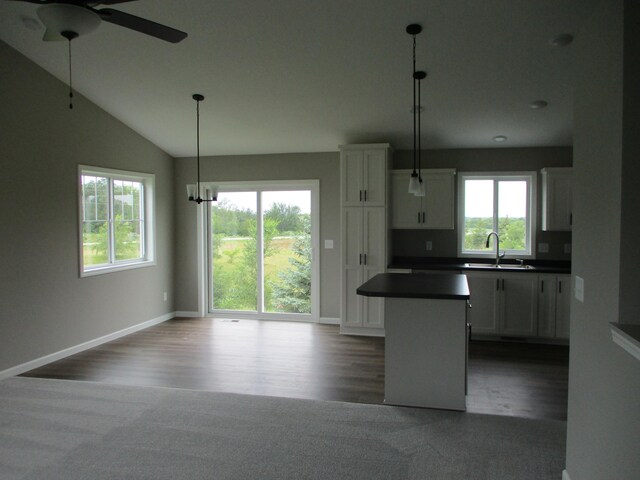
64,17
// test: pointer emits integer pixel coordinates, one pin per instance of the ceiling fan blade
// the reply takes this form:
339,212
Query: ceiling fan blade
141,25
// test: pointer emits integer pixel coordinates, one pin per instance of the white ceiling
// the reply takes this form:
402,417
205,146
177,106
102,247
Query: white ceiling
308,75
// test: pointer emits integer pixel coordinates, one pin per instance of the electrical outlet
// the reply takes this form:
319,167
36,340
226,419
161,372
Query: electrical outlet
567,248
543,248
429,245
164,296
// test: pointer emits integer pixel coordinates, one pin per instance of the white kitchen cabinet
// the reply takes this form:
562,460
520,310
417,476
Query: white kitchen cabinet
503,304
364,234
556,199
364,174
554,301
434,211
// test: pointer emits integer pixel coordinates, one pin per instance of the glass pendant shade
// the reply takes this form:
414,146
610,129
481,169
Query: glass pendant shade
414,184
191,191
420,191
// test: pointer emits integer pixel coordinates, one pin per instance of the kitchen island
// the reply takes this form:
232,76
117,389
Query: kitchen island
425,338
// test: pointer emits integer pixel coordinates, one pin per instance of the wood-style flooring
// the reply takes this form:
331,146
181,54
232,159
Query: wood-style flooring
302,360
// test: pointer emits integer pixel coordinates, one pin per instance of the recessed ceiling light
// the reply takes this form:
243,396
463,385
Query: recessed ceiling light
499,138
538,104
561,40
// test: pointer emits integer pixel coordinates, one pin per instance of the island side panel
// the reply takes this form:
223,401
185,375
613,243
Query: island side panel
425,353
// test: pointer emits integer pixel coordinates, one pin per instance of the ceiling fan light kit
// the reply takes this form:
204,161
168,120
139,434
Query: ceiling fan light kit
63,17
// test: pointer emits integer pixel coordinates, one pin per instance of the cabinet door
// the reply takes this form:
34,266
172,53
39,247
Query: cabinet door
563,306
375,177
352,304
546,306
352,177
519,304
483,315
405,207
374,260
557,215
438,201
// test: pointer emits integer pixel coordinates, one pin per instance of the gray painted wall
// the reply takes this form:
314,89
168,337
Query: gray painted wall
45,306
322,166
604,380
413,242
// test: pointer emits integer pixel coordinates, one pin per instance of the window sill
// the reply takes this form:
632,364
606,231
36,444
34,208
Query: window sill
627,336
116,268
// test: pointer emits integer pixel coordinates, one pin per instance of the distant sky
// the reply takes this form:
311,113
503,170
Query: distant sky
248,200
479,198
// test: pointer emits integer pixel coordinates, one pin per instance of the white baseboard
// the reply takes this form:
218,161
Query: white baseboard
187,314
39,362
362,331
565,475
329,321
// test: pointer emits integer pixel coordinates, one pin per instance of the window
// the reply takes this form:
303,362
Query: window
502,203
116,220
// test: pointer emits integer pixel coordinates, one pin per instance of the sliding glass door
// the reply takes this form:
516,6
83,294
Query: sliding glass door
261,250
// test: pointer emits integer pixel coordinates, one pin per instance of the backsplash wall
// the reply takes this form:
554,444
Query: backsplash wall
412,243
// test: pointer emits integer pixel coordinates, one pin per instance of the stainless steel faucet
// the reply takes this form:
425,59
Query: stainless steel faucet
498,255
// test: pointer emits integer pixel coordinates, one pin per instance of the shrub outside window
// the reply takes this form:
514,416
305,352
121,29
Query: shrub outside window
116,220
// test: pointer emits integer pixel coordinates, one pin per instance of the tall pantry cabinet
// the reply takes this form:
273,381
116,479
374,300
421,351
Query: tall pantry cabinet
364,199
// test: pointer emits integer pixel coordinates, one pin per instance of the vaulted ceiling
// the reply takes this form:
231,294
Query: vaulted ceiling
305,76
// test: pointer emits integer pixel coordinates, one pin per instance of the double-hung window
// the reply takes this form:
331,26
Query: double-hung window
501,203
116,220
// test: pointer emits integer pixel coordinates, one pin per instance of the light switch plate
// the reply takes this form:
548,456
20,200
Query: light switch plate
328,244
543,247
579,288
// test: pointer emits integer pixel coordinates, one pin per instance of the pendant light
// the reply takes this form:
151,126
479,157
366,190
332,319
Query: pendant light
414,182
194,191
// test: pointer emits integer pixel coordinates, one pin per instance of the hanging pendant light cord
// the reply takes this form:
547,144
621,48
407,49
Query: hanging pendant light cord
414,105
198,146
419,143
69,35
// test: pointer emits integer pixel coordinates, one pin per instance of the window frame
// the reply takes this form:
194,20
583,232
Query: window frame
148,233
531,178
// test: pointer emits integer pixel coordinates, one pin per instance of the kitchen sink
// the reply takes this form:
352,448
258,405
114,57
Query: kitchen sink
501,266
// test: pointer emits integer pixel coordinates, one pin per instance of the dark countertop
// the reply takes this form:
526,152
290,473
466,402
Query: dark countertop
458,264
419,285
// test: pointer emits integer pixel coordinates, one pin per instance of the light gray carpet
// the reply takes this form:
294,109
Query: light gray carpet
67,430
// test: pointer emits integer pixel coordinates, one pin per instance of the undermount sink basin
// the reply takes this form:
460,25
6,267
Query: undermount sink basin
502,266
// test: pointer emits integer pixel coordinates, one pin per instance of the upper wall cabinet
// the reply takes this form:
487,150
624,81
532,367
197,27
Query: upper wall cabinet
433,211
556,199
364,174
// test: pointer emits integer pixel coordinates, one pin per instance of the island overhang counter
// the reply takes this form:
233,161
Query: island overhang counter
425,338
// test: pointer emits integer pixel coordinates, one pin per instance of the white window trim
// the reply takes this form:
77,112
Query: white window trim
149,234
529,176
204,289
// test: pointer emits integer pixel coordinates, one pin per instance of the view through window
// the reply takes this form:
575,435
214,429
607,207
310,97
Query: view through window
501,204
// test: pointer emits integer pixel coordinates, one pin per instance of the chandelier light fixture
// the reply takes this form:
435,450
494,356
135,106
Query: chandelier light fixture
199,193
416,186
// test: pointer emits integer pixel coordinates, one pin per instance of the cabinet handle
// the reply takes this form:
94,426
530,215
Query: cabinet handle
424,217
360,259
365,258
497,284
542,286
365,195
571,219
503,284
360,195
418,217
559,286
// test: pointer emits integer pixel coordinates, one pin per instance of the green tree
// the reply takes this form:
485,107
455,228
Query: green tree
287,216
